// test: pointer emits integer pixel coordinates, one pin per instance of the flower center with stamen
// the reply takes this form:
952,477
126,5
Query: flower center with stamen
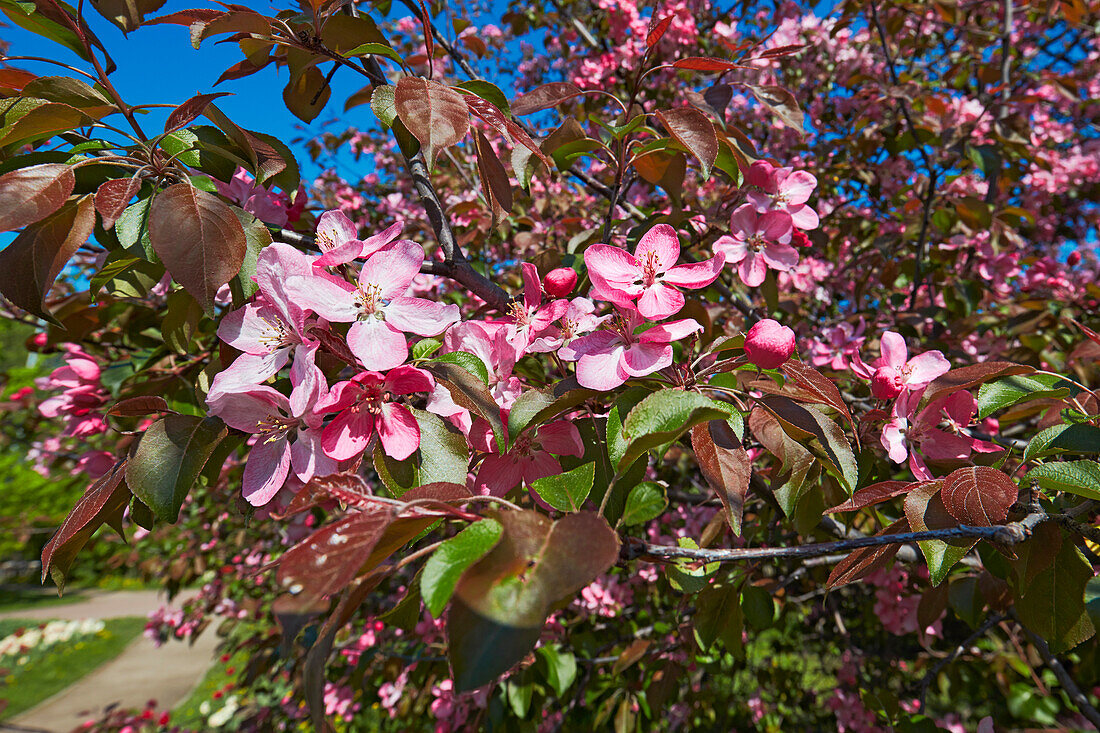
370,301
756,241
649,268
277,335
519,312
275,427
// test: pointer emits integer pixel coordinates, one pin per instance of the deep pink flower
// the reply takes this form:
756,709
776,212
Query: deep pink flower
579,318
529,458
608,357
364,407
769,344
783,189
757,242
648,276
377,307
895,372
939,431
531,319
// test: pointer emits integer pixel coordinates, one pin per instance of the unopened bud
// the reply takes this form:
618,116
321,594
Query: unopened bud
768,344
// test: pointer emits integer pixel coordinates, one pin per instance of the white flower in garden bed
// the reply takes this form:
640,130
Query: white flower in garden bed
44,636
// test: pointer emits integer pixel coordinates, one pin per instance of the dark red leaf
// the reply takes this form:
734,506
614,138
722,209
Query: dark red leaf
15,79
694,131
781,102
198,238
186,113
772,53
866,560
138,406
330,558
31,263
970,376
494,179
544,97
31,194
103,499
113,196
703,63
509,129
435,114
187,17
334,344
657,30
978,495
820,388
874,494
725,465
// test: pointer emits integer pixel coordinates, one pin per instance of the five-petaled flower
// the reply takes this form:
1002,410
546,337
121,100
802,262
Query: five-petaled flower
757,242
365,408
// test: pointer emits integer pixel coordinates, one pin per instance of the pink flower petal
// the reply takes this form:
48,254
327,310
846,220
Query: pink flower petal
776,226
645,358
560,437
752,269
804,217
420,316
334,228
926,367
378,345
408,379
667,333
797,187
613,269
601,370
498,475
660,301
532,286
696,274
744,220
734,250
398,431
331,300
893,350
662,241
392,270
779,256
347,436
265,471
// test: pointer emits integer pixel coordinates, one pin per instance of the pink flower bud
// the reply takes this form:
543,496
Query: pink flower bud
886,383
560,282
799,238
1073,258
769,344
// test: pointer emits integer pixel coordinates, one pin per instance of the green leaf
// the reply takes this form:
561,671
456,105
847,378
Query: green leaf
536,406
646,501
375,49
489,92
661,418
803,422
257,236
383,105
467,361
567,491
442,457
688,576
718,616
446,565
758,607
1053,605
561,667
1076,438
132,230
993,396
168,459
1075,477
425,347
470,392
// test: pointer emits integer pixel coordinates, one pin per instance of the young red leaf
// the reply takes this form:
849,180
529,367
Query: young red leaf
103,499
781,102
820,388
970,376
544,97
138,406
187,17
874,494
725,465
866,560
185,114
31,263
198,238
703,63
435,114
31,194
694,131
494,179
113,196
979,495
773,53
509,129
657,30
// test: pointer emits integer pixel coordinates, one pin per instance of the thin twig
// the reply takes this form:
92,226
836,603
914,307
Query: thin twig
1079,698
961,648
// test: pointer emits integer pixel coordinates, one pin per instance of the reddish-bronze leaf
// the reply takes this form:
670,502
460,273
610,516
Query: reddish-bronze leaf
186,113
509,129
187,17
435,114
657,30
346,487
820,388
113,196
330,558
30,264
772,53
781,102
544,97
694,131
103,500
866,560
31,194
15,79
725,465
703,63
873,494
494,179
334,344
970,376
198,238
138,406
979,495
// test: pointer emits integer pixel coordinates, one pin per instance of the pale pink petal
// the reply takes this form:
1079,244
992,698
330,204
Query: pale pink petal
597,341
894,352
614,267
379,241
255,329
744,220
265,471
420,316
398,431
340,255
797,187
334,228
804,217
893,439
925,367
960,407
250,369
601,370
662,241
308,383
333,301
347,435
918,467
645,358
660,301
696,274
560,437
392,270
666,333
939,445
779,256
378,345
734,250
752,269
308,458
247,410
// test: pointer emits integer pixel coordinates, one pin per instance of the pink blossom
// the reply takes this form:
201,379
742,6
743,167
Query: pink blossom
782,189
560,282
648,276
529,458
364,407
376,305
939,431
530,319
608,357
339,240
757,242
841,343
769,344
895,372
264,204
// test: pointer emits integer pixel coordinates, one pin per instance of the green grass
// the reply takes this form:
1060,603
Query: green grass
22,597
187,713
57,668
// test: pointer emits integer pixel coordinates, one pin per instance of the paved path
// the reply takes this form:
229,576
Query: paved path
141,672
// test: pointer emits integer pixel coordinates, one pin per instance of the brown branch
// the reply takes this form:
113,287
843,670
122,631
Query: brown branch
1008,534
1075,694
